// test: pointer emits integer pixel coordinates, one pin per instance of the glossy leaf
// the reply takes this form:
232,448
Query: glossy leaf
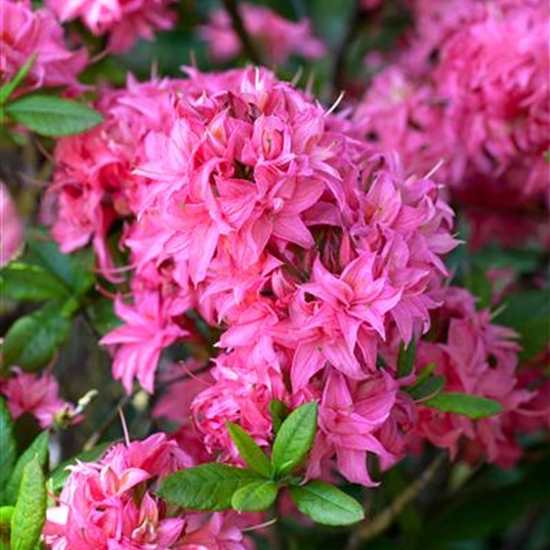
326,504
255,497
37,449
254,457
294,439
32,340
29,513
9,87
464,404
205,487
8,451
53,116
22,281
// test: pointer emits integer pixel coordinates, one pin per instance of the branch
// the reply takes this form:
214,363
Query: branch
368,530
238,26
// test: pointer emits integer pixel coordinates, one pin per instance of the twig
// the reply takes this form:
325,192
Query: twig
238,25
273,530
367,530
98,434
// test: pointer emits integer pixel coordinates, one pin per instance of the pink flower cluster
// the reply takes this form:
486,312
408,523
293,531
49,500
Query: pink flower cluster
478,358
111,504
124,21
252,206
35,394
470,89
27,33
94,183
277,38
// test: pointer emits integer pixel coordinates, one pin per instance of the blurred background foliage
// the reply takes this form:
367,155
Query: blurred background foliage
460,508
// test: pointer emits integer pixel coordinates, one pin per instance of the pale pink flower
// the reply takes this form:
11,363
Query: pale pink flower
36,394
276,37
124,21
27,33
11,227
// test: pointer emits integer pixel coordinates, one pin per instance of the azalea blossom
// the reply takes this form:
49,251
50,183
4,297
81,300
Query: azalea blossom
276,37
111,504
28,34
124,21
35,394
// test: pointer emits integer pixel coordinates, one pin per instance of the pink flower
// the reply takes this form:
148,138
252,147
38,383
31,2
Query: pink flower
350,414
11,228
93,182
123,20
276,37
36,394
27,33
111,504
141,340
477,358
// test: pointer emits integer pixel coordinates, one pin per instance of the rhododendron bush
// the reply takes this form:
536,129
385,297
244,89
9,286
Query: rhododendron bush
274,275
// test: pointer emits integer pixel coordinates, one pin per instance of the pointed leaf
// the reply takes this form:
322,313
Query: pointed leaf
278,411
249,450
9,87
405,361
255,497
53,116
22,281
326,504
33,340
37,449
205,487
465,404
29,513
75,270
294,439
8,451
426,388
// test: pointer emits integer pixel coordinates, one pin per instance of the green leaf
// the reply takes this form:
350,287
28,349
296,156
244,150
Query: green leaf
250,452
29,513
426,388
326,504
32,341
61,473
6,513
294,439
22,281
465,404
74,270
37,449
9,87
278,411
528,312
53,116
477,514
478,284
208,487
255,497
405,360
102,315
8,451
